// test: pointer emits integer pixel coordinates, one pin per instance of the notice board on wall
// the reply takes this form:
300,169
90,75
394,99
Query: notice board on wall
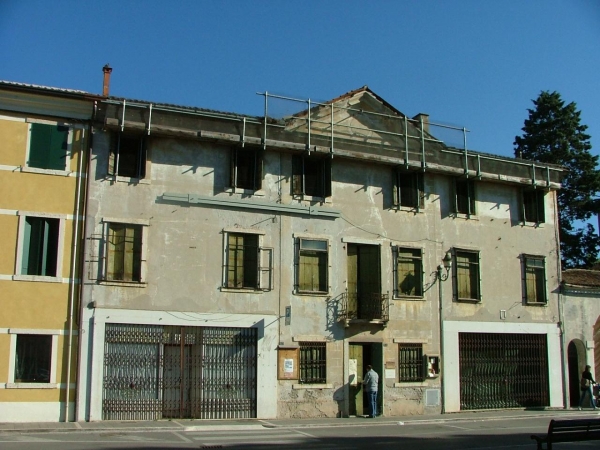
287,363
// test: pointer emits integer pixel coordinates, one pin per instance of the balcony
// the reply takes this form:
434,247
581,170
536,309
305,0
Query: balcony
370,307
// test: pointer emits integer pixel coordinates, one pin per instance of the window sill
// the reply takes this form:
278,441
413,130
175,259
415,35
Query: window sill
251,192
410,384
242,290
37,278
129,180
410,209
465,216
468,300
536,303
532,224
312,386
61,173
313,198
123,283
311,293
409,297
31,385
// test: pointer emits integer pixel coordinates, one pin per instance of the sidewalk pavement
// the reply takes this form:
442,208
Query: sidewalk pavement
249,424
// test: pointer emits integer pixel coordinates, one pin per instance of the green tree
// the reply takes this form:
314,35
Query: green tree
553,133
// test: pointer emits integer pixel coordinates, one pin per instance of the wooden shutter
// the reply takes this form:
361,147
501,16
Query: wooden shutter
327,167
232,167
297,175
420,191
395,187
258,169
142,159
113,154
541,210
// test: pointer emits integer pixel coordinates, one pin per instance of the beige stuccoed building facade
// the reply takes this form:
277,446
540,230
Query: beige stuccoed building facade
241,266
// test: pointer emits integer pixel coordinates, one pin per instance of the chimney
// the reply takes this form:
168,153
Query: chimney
106,84
422,117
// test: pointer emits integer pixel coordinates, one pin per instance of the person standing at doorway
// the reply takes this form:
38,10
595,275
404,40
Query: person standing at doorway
371,383
587,386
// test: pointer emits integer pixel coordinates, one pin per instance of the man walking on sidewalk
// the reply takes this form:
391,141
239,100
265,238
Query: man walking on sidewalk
371,382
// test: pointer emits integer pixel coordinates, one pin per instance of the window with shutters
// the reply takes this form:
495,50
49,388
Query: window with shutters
313,363
247,264
311,176
40,243
34,355
409,272
124,244
466,276
48,146
464,196
408,189
246,169
312,266
127,156
533,206
534,279
410,362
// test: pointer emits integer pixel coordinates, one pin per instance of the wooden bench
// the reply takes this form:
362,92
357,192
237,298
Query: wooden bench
569,431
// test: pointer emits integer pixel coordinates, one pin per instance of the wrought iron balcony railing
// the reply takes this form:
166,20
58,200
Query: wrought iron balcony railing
372,306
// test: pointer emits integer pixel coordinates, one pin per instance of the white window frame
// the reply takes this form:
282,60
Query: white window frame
14,332
59,254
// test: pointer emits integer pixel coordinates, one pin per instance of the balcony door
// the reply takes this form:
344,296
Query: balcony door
364,281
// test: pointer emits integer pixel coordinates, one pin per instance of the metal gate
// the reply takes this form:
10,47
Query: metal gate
153,372
503,370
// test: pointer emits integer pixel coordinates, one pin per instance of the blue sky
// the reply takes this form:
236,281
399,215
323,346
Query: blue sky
474,64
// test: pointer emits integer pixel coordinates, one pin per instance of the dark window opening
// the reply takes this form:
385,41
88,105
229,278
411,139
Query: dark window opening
464,191
311,176
40,246
410,362
408,189
533,206
409,272
127,156
246,169
32,358
466,276
313,362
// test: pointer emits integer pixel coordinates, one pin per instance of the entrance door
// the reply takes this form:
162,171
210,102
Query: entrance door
361,355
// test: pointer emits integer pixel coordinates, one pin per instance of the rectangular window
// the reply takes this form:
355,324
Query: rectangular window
408,189
127,156
48,146
532,206
534,279
410,362
40,246
409,272
246,169
313,363
464,196
311,175
124,252
312,266
466,275
33,358
242,261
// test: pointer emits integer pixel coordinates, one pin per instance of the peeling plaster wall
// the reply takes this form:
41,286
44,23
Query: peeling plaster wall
185,258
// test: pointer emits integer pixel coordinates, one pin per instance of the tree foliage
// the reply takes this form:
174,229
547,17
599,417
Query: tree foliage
553,133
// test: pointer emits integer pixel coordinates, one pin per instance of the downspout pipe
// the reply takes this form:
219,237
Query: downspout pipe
73,288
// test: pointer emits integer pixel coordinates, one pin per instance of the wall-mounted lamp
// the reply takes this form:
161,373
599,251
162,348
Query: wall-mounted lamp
446,264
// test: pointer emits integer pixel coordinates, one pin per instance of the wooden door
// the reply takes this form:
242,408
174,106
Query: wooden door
356,371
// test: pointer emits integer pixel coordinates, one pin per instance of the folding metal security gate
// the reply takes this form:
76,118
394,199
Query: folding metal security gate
503,370
153,372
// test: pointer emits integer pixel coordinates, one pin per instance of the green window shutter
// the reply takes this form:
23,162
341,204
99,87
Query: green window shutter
26,245
48,146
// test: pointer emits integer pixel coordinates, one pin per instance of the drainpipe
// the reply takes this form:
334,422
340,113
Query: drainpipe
72,283
561,324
